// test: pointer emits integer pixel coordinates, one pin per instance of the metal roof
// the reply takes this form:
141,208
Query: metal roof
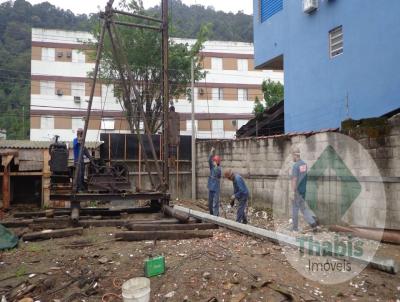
26,144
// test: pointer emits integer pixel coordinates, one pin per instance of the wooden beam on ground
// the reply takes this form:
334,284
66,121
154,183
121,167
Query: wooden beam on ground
17,223
88,212
50,223
171,227
52,234
161,221
383,264
162,235
36,214
102,223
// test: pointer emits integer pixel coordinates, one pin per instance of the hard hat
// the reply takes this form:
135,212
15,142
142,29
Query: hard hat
217,159
80,130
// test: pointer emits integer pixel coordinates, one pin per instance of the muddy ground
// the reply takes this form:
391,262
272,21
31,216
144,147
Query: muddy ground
227,267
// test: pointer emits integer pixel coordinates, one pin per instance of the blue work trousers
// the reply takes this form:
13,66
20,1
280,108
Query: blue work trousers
241,211
213,202
300,204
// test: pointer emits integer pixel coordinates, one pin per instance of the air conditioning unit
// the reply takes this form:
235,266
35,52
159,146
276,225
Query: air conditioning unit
69,54
77,99
310,5
60,92
59,54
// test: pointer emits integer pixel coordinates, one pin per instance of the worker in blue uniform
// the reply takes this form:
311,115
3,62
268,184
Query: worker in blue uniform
81,169
214,182
241,194
299,185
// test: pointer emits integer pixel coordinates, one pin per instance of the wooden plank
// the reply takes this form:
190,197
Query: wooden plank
162,235
17,223
52,234
102,223
46,179
171,227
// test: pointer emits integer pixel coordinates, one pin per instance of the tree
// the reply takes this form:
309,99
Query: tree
258,109
273,92
142,50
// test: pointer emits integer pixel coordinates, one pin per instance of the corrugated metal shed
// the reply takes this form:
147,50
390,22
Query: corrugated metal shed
26,144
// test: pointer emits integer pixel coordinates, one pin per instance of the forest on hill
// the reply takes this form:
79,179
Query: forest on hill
19,16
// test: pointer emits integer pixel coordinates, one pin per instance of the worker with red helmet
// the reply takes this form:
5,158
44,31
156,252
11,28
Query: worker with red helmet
214,181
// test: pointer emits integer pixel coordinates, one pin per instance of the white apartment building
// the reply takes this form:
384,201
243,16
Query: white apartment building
60,89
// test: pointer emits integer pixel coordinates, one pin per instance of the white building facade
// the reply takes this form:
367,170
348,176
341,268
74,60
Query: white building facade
60,89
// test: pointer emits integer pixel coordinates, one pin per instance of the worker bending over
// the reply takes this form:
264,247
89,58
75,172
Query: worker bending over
241,194
214,182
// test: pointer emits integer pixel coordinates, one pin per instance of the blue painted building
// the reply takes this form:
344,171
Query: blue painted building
341,60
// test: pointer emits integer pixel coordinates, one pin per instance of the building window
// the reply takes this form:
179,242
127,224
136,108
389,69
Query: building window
243,65
189,125
218,126
107,124
216,63
78,56
78,90
77,122
47,122
47,87
336,41
243,94
217,94
268,8
48,54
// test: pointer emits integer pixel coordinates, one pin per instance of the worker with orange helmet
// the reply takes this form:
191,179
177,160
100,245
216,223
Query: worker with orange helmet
241,194
214,182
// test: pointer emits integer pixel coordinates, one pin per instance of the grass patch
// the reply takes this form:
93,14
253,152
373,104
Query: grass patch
21,271
34,247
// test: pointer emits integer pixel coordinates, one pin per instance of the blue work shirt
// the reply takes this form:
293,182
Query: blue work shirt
299,171
77,147
240,188
214,179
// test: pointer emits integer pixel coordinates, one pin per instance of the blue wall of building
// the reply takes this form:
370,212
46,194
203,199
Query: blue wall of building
316,86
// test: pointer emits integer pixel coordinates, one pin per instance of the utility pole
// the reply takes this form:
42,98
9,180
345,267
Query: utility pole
165,91
193,136
23,122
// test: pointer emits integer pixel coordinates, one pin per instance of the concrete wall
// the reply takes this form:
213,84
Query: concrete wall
265,163
316,86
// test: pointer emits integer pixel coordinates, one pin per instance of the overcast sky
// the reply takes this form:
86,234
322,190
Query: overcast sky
92,6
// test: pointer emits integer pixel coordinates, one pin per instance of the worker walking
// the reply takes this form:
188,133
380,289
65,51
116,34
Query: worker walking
241,194
214,182
299,185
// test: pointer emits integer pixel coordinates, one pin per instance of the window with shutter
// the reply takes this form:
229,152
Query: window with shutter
268,8
336,41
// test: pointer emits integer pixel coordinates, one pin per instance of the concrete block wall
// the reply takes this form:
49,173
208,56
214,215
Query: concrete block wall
265,163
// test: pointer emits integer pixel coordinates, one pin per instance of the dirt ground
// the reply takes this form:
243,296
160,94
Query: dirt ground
227,267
